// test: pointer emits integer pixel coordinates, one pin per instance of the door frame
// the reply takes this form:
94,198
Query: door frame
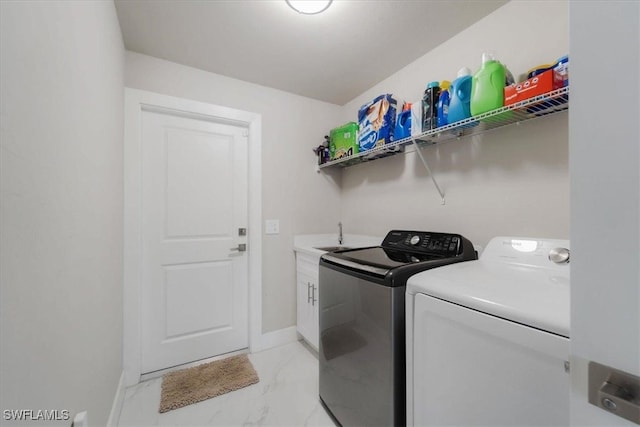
137,101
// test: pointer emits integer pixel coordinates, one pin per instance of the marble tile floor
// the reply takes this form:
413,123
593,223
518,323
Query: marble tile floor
287,395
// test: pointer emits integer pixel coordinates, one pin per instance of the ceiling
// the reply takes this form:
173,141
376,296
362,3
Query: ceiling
332,57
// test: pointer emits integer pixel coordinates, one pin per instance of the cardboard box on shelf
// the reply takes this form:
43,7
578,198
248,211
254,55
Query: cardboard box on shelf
537,85
343,141
377,120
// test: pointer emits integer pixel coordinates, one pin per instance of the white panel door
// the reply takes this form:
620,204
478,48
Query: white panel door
605,206
194,200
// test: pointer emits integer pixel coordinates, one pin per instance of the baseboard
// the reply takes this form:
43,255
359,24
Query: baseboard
279,337
116,407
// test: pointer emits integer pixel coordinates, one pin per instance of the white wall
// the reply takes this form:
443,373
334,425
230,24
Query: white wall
61,245
605,197
511,181
304,201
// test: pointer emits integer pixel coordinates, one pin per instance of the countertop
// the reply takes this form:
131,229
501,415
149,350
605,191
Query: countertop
308,243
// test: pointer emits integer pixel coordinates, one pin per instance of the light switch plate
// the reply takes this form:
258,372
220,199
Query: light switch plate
272,226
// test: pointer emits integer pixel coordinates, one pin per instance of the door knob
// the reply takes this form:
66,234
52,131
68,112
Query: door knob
240,248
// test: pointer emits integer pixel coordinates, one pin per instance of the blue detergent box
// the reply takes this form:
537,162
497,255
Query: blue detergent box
377,121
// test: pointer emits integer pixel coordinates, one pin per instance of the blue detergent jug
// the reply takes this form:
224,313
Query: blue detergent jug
443,103
459,104
403,124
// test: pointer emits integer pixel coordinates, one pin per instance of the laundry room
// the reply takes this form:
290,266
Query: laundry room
173,198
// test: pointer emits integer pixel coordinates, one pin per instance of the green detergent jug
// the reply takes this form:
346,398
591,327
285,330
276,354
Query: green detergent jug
487,87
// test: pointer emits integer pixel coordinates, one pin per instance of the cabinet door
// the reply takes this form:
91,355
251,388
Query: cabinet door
314,328
307,319
307,267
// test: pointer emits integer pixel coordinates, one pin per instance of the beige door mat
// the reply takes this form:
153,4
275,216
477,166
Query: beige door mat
202,382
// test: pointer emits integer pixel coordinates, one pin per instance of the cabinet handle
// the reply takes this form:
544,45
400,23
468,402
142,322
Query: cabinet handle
309,297
314,300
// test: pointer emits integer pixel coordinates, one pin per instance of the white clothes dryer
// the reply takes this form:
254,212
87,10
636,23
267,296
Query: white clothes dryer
488,340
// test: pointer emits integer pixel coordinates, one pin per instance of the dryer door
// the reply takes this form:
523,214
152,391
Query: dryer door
474,369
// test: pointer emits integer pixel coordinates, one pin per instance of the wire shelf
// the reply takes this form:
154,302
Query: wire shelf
542,105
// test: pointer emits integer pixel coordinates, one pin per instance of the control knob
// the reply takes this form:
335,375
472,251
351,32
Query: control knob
559,255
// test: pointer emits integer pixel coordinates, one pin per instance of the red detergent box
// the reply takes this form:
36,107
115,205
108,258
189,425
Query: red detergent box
537,85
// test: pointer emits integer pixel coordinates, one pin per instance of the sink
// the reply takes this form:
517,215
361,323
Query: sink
332,248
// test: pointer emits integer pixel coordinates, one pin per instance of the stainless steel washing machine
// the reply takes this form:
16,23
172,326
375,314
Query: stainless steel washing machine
362,323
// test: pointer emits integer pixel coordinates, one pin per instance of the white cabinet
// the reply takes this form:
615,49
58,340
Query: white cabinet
307,272
308,249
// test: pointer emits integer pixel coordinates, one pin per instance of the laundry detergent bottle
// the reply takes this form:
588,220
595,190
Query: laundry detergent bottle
459,105
403,123
443,103
430,106
487,87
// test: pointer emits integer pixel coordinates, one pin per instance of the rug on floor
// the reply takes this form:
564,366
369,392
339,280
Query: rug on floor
202,382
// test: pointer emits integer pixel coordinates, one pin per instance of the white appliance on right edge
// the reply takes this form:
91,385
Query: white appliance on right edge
488,340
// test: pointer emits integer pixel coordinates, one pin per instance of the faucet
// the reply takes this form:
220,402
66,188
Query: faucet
340,233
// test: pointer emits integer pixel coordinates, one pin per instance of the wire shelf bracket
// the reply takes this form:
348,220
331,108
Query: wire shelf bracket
426,166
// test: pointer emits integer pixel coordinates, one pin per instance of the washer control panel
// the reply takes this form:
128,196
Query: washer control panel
423,242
